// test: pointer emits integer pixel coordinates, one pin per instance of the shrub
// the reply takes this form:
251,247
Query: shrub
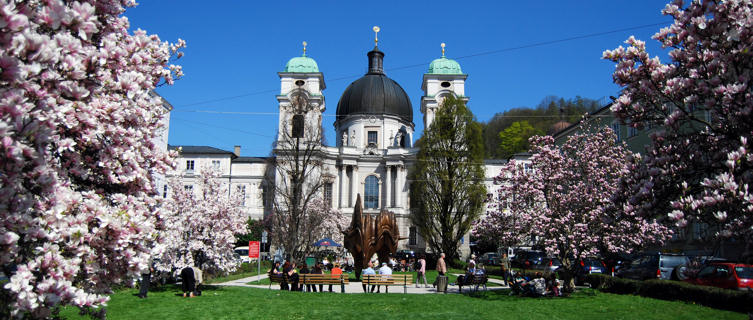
675,290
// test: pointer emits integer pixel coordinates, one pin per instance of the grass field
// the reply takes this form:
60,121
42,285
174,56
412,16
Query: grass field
252,303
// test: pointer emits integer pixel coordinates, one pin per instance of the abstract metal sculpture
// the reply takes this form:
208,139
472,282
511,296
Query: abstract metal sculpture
366,236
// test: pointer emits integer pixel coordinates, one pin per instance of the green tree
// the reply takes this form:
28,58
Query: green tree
448,176
255,228
514,139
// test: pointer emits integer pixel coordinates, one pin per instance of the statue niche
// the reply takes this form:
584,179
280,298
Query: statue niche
367,235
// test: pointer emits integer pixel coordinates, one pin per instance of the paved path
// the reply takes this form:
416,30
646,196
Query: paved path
354,287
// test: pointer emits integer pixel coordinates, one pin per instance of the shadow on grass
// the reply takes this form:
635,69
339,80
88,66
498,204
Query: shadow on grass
504,295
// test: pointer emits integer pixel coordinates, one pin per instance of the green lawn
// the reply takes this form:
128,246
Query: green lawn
252,303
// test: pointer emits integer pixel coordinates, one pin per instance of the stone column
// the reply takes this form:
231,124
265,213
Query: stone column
336,189
388,187
355,184
398,186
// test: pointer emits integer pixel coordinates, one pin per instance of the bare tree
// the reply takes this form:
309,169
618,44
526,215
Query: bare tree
294,173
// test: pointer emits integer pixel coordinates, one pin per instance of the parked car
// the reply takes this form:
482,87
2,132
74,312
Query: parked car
727,275
548,265
654,266
490,259
243,253
527,259
588,266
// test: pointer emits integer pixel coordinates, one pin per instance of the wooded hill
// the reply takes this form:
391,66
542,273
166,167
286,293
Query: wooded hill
507,132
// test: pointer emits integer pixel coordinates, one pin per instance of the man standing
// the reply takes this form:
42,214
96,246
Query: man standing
441,266
146,278
441,281
505,265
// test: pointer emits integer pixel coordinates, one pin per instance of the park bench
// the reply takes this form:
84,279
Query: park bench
473,281
388,280
322,279
276,278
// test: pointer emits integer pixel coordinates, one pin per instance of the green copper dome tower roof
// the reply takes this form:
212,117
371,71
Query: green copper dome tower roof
302,64
444,65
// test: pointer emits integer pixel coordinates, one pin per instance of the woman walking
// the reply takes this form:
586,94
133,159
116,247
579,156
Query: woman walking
421,272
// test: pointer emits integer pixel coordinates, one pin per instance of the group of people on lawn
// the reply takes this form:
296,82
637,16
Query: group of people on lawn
291,279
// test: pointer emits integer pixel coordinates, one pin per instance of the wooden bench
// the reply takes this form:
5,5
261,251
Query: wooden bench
473,281
322,279
276,278
388,280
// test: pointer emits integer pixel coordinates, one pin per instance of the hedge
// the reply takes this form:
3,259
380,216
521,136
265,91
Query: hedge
733,300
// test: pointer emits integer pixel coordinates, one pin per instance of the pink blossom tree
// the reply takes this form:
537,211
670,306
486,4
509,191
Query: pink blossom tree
77,157
699,168
201,220
564,200
323,221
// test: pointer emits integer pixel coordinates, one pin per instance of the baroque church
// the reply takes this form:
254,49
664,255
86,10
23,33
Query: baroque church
374,126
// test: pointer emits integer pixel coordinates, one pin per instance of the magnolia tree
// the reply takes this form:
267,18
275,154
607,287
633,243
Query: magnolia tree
699,168
77,158
202,220
565,200
322,221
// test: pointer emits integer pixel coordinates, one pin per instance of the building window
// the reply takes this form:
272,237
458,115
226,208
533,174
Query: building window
297,131
216,164
164,191
616,129
242,192
371,192
188,188
328,195
527,168
189,166
372,136
266,196
412,237
632,131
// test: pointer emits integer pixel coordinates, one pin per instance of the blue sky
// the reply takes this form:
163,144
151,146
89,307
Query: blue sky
235,49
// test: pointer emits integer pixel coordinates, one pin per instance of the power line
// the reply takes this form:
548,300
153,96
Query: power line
334,115
532,45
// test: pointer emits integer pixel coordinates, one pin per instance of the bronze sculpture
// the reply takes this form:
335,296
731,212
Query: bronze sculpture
366,236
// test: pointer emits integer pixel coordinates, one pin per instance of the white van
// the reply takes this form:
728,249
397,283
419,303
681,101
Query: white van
243,252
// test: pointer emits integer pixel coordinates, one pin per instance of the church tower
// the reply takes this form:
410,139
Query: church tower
301,102
443,78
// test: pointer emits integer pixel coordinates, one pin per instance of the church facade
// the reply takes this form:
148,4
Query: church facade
374,146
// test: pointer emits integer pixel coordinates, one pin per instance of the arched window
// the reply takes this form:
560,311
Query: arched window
371,192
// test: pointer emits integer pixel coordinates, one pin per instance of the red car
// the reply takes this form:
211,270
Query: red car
726,275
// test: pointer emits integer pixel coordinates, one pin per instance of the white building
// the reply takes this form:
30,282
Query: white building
374,148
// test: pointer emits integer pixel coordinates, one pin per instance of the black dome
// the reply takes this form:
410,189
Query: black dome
375,94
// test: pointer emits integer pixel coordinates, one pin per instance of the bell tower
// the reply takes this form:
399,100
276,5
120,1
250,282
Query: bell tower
443,78
301,102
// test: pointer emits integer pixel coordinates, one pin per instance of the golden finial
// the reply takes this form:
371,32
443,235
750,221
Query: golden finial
304,48
442,49
376,35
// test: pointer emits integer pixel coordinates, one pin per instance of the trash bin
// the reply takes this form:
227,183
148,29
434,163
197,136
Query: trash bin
442,284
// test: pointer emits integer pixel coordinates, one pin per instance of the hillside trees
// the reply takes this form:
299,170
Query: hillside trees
564,199
699,168
514,139
201,222
77,157
449,177
550,110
